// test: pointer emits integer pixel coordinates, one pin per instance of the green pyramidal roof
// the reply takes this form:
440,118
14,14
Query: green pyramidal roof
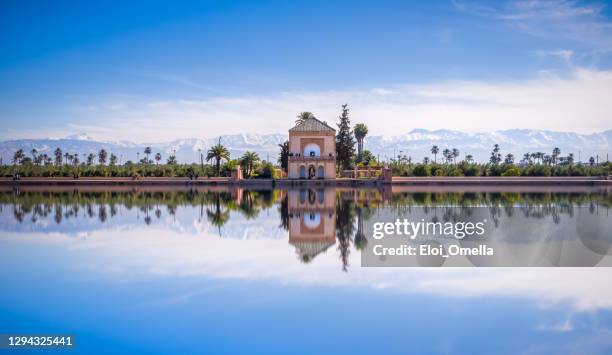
312,125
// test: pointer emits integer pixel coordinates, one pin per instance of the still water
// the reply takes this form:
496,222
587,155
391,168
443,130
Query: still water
232,270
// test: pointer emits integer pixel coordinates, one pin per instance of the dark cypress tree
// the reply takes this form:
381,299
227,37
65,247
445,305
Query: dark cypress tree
345,142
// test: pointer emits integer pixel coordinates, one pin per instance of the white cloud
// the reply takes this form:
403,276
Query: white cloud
579,23
563,54
579,102
134,253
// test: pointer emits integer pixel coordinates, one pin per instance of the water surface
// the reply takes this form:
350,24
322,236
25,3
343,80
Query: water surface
235,270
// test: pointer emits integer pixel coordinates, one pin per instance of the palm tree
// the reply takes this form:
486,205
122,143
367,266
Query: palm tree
158,157
58,156
113,159
509,159
434,151
248,161
18,157
34,157
455,154
591,161
303,116
426,160
360,131
90,159
66,157
218,152
555,155
495,155
102,154
448,155
147,152
527,158
469,158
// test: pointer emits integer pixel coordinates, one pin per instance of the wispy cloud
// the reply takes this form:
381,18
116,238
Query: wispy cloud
580,23
176,79
578,102
563,54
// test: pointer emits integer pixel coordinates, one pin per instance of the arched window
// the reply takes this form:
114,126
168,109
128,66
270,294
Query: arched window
312,150
302,172
321,172
320,196
312,220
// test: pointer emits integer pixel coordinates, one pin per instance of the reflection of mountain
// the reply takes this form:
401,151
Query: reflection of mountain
315,219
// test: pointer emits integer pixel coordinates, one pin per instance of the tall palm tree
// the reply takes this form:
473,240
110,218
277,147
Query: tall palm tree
469,158
147,152
248,161
303,116
34,157
102,155
218,152
455,154
360,131
18,157
58,156
158,157
434,151
555,155
448,155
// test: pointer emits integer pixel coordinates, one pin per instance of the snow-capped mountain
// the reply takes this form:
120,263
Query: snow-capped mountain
416,144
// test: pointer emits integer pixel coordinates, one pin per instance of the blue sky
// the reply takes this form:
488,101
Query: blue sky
199,69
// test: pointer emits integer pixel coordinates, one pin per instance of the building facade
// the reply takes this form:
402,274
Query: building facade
312,221
312,151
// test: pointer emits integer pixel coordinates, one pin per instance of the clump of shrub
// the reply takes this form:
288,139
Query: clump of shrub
422,170
511,171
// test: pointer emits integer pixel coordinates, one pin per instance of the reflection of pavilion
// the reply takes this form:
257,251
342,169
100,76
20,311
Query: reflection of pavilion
312,221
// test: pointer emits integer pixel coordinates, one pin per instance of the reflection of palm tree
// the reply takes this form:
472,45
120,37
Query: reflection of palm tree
248,204
218,218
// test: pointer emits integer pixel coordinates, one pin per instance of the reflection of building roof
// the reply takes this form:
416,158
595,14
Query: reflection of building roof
312,125
308,250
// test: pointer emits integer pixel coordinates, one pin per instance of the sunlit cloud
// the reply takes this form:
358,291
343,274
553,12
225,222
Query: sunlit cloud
577,102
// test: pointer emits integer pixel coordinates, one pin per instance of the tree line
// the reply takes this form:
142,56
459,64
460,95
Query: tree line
220,163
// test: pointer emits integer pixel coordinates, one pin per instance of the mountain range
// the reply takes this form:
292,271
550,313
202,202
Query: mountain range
416,144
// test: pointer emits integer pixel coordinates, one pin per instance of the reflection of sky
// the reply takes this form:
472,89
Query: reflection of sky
176,286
